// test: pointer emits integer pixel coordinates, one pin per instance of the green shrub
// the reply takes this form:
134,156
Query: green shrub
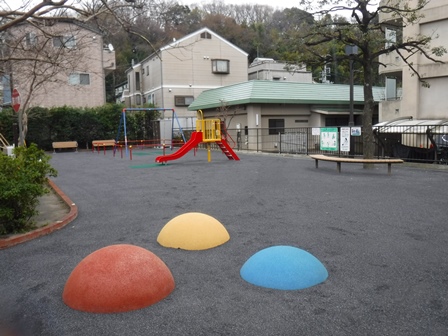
23,179
83,125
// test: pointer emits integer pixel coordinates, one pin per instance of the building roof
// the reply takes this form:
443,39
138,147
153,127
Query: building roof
198,32
186,37
413,126
277,92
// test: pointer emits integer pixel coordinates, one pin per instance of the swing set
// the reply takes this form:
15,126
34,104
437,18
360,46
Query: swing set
122,123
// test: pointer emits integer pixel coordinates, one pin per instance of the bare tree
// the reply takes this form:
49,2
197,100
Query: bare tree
367,33
47,41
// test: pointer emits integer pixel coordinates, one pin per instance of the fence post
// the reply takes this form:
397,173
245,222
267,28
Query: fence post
307,141
257,140
279,143
339,141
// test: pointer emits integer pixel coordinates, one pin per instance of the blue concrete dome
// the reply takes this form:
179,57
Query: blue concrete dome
283,267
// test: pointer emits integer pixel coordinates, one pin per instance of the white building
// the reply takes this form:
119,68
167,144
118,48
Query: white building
405,95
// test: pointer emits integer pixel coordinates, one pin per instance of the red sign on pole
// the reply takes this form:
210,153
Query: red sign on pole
15,100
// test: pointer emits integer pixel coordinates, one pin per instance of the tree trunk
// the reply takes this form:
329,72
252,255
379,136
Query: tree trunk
369,105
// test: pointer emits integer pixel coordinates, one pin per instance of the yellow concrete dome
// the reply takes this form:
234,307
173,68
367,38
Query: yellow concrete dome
193,231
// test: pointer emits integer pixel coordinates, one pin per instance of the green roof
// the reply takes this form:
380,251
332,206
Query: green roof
274,92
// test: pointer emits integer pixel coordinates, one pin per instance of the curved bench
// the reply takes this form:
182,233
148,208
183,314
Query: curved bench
339,160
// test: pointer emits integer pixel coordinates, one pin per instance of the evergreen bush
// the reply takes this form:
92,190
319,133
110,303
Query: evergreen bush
23,179
65,123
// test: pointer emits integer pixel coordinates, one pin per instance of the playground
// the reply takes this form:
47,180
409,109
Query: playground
208,132
382,239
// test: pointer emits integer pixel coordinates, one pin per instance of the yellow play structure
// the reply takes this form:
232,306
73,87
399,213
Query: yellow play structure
207,131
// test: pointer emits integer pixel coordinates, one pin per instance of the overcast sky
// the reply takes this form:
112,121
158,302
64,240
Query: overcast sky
275,4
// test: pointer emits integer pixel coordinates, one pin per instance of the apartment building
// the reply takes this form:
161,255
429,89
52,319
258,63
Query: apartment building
405,95
270,69
173,76
57,63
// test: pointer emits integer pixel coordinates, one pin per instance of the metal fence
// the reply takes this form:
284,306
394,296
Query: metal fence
301,140
428,144
425,144
417,143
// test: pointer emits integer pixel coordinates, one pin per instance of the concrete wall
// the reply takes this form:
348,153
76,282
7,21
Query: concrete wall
417,101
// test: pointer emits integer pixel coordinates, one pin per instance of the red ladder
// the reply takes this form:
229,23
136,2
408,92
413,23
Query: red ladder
227,150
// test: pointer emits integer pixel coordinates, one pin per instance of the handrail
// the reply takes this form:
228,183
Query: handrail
210,128
4,141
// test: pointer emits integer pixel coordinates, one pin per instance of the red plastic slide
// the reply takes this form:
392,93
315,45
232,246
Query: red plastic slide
196,139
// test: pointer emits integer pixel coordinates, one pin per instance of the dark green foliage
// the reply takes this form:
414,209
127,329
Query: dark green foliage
22,182
7,118
140,125
39,127
80,124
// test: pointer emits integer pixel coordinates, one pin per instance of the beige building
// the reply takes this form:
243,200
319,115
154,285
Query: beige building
270,69
405,96
62,63
175,75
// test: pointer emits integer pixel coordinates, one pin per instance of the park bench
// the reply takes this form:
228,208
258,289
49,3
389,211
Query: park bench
65,145
102,143
339,160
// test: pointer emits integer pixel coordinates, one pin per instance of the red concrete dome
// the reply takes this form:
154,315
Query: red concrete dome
118,278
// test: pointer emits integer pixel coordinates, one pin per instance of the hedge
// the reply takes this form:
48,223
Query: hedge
79,124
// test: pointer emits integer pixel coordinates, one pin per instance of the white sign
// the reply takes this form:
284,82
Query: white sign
356,131
345,139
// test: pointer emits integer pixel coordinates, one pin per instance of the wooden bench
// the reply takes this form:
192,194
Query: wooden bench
102,143
65,145
339,160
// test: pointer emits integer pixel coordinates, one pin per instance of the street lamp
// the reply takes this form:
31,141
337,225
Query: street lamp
351,50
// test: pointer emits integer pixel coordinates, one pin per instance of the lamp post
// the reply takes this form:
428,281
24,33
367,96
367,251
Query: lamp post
351,50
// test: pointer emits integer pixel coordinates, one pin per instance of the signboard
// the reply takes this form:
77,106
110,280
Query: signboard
15,100
329,139
356,131
345,139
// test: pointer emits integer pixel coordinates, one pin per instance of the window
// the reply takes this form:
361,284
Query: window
64,41
31,39
147,70
183,100
220,66
336,121
276,126
79,79
138,99
206,35
152,99
391,37
137,81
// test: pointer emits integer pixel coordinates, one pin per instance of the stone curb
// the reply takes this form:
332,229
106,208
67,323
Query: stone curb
24,237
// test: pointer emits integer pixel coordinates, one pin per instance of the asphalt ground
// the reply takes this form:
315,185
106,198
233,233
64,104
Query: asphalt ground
383,240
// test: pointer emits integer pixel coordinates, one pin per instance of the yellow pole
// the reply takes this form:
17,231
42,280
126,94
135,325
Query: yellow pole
209,154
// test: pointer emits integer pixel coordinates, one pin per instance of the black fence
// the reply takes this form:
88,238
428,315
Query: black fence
425,144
